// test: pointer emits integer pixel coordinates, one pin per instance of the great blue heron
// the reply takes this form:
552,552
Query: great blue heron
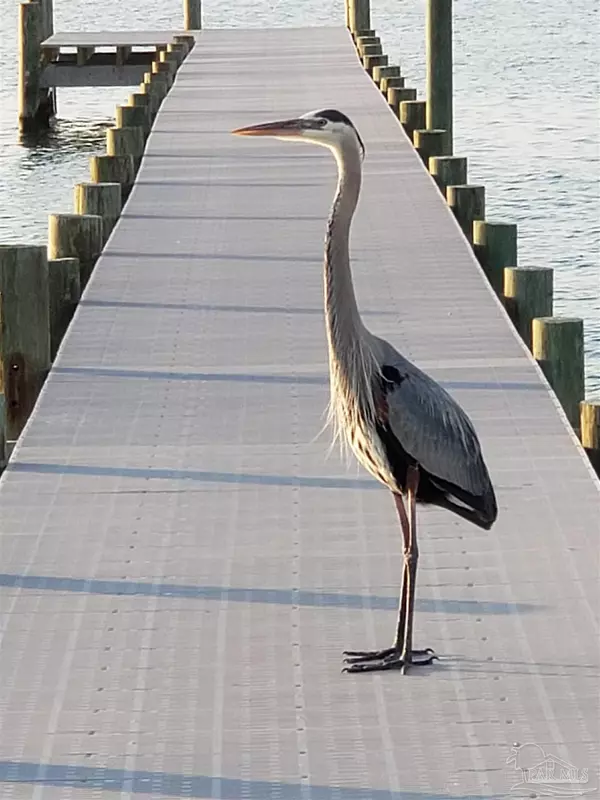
401,425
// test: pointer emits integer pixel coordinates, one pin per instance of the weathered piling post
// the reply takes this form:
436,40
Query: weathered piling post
396,95
131,116
370,49
448,171
192,15
439,67
47,18
156,87
64,289
114,169
429,143
187,39
142,100
359,15
557,345
392,82
528,294
411,114
177,51
126,142
172,62
495,245
76,236
385,71
101,199
3,454
25,331
590,431
372,60
163,71
36,105
468,204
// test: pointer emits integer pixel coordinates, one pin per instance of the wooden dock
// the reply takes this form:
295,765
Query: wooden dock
182,565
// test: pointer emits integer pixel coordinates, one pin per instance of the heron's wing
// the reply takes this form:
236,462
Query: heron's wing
432,428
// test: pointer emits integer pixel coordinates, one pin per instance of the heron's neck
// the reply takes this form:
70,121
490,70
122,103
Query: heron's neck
343,320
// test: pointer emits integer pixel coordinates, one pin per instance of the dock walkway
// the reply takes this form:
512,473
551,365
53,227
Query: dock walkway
181,564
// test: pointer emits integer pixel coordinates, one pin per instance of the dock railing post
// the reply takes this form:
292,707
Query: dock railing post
64,289
192,15
557,345
590,431
439,67
35,104
528,293
359,15
25,331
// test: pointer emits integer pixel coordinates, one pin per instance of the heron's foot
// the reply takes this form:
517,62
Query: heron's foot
391,658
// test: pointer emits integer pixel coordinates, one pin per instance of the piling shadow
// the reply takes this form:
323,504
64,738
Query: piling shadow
281,597
227,478
169,784
234,309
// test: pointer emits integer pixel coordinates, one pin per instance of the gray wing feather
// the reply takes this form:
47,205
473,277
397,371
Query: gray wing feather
435,431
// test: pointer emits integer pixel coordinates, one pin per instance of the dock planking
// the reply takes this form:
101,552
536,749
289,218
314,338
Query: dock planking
183,565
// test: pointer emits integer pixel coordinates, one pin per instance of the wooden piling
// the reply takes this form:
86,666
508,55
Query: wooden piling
359,15
25,331
171,60
47,19
371,61
3,453
179,51
134,117
126,142
187,39
367,41
101,199
114,169
84,54
356,35
371,50
495,245
156,87
162,71
448,170
429,143
123,54
558,349
468,204
192,15
35,105
590,431
385,71
411,113
143,100
64,289
391,82
76,236
438,51
528,294
399,94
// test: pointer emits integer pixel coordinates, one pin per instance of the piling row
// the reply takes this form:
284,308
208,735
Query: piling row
557,343
41,286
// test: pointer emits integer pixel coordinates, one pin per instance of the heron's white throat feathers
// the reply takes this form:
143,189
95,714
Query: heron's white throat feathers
353,367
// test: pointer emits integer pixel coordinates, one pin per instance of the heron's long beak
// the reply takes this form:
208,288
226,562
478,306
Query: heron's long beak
286,127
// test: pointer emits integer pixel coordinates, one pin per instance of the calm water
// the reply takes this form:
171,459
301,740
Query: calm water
526,92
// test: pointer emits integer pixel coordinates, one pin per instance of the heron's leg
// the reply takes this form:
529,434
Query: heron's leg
401,654
411,559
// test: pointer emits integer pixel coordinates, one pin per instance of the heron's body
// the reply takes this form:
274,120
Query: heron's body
401,425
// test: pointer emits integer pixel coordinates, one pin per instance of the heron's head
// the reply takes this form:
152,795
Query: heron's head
328,128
